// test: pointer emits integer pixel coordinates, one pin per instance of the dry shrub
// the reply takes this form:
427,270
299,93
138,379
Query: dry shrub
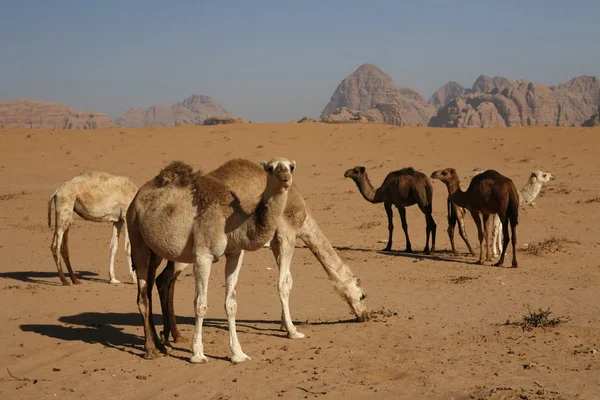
552,244
368,225
381,314
462,279
12,196
537,319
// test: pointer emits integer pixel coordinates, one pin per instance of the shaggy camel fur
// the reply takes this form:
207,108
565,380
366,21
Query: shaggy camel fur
97,197
189,218
488,193
526,196
247,180
402,188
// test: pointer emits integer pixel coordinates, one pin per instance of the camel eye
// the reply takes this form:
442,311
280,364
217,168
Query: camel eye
292,168
270,168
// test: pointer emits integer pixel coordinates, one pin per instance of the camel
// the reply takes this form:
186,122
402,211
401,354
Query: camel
402,188
527,195
296,222
457,214
96,197
488,193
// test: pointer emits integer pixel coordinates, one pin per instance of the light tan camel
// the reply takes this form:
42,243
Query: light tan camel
457,214
296,222
526,196
96,197
488,193
189,218
402,188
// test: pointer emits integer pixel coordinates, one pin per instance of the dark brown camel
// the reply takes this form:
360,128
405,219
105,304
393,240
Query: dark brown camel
402,189
455,214
488,193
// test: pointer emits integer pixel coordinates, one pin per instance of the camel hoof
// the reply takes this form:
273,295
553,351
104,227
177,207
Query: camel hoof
387,249
498,264
66,283
152,354
296,335
76,282
114,281
481,262
238,358
198,359
515,265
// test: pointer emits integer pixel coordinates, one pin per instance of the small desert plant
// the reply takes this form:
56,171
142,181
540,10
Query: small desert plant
589,201
381,314
552,244
218,121
463,279
537,319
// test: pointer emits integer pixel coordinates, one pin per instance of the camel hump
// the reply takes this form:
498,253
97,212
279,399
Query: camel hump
407,171
491,174
177,173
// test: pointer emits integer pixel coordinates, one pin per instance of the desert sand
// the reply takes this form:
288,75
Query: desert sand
438,322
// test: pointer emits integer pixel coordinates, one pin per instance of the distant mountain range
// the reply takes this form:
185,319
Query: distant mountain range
366,95
370,95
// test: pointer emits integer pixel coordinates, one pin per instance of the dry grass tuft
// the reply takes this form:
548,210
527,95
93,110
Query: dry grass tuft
462,279
537,319
549,245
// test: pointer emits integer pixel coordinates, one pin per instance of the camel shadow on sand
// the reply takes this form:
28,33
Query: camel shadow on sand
106,329
49,278
438,255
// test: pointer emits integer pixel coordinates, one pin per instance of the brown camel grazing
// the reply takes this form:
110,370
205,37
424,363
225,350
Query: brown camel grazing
402,188
488,193
96,197
247,181
189,218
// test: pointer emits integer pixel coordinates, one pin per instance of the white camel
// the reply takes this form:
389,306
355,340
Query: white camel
96,197
527,195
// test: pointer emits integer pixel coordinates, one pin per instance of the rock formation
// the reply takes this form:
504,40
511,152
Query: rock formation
41,114
193,110
522,103
447,93
594,120
484,83
376,96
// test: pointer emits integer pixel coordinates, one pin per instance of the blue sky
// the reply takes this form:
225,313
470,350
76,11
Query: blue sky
280,60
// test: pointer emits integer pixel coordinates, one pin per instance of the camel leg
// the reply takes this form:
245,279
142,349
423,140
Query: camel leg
141,262
513,239
487,222
114,245
505,241
127,247
64,251
478,223
452,218
154,263
283,250
165,283
431,229
56,248
496,237
402,212
232,271
202,268
390,217
462,231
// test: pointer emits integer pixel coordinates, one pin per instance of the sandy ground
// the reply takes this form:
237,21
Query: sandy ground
433,338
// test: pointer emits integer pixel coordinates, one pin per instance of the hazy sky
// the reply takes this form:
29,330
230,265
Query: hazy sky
280,60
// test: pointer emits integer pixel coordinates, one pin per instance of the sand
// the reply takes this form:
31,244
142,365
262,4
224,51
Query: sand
436,335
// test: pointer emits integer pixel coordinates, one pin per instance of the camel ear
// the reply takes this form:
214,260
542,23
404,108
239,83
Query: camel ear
362,170
293,165
264,164
533,174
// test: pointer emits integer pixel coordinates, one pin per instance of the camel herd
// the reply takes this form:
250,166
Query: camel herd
189,217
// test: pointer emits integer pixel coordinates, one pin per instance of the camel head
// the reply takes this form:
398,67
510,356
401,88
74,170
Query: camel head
540,176
445,175
279,171
355,173
355,297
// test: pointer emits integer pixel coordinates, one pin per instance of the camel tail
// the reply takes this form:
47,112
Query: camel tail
50,208
513,207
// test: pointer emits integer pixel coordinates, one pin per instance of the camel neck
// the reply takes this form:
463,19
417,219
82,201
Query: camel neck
268,212
456,194
367,190
529,192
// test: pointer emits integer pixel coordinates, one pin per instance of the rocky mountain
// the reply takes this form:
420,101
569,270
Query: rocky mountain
484,83
594,120
193,110
447,93
376,96
40,114
523,103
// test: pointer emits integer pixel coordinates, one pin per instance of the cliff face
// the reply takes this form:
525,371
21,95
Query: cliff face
193,110
41,114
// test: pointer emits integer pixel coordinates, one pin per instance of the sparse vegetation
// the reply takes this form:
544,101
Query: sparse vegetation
381,314
368,225
12,196
219,121
462,279
589,201
537,319
552,244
